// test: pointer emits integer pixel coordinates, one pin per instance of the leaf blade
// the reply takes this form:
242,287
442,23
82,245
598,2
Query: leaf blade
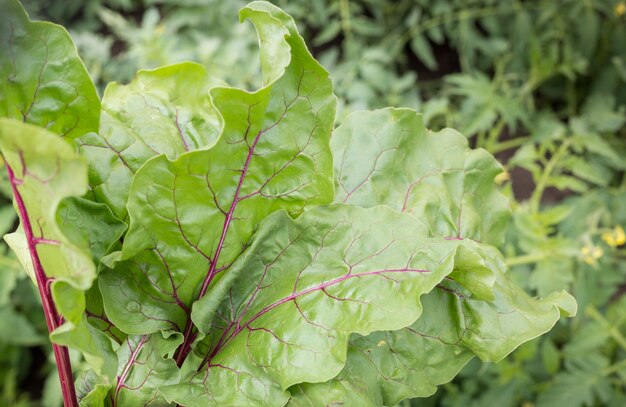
289,315
272,154
44,82
43,170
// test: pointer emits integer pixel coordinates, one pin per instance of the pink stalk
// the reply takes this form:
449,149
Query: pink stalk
184,349
53,319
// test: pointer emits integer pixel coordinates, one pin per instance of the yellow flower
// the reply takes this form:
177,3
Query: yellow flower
616,237
620,9
591,254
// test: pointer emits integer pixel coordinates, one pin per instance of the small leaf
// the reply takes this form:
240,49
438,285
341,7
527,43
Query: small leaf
328,33
423,50
570,389
599,113
590,172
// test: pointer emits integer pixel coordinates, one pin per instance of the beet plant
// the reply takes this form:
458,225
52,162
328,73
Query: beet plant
201,244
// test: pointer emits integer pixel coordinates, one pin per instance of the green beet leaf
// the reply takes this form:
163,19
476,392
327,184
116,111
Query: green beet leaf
42,79
259,262
43,169
388,157
303,287
192,217
91,225
143,369
387,367
393,365
473,312
162,111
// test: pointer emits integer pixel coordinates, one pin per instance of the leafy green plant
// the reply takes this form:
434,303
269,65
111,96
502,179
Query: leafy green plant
580,363
206,245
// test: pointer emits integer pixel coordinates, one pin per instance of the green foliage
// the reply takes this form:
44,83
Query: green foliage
237,279
390,158
43,80
540,84
182,117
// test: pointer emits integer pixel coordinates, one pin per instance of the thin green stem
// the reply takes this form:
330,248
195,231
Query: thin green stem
508,144
524,259
494,134
346,26
610,328
614,368
535,199
480,139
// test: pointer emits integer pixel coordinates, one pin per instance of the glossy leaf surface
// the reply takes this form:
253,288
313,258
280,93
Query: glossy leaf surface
143,368
303,287
44,169
162,111
473,312
192,217
388,157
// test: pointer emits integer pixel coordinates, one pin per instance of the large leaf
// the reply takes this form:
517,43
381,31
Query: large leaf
43,170
471,313
162,111
192,217
42,79
388,157
387,366
303,287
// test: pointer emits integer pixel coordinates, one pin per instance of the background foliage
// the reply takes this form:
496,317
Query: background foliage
539,83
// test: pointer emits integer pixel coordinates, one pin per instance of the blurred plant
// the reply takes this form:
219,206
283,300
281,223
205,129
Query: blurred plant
515,57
